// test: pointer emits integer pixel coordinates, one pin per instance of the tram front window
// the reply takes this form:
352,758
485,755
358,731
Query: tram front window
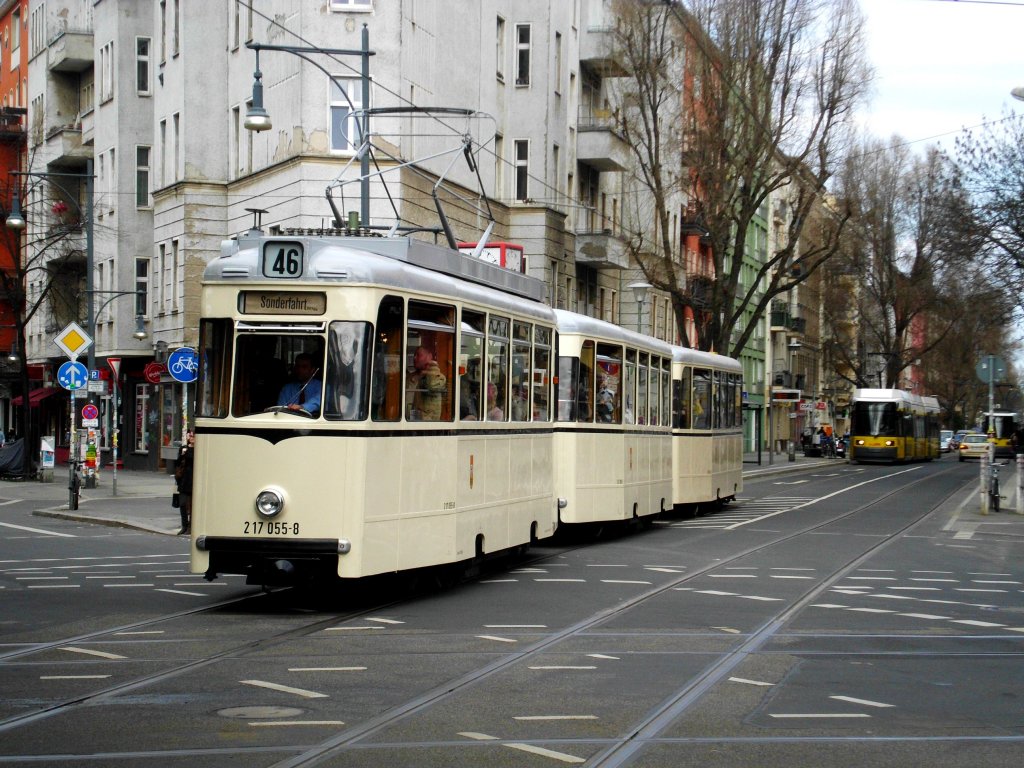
874,419
266,370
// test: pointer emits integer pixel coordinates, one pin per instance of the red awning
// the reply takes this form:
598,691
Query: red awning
36,395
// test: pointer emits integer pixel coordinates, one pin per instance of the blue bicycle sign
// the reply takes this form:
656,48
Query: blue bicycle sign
183,365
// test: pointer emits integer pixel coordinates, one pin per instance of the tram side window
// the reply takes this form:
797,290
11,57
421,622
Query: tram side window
701,403
386,387
641,389
471,365
629,388
609,384
737,400
519,395
666,391
585,390
497,368
681,400
348,365
430,349
568,373
541,373
655,404
214,368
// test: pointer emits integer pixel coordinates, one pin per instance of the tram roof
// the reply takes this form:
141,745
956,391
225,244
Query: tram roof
401,263
570,322
894,396
710,359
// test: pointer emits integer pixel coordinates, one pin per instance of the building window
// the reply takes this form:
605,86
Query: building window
558,62
37,29
351,5
164,177
177,26
142,287
163,31
499,166
499,52
107,72
346,96
142,65
235,159
175,281
176,118
522,54
236,29
522,169
142,176
15,37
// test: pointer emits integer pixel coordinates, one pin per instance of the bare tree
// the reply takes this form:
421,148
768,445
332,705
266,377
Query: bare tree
762,108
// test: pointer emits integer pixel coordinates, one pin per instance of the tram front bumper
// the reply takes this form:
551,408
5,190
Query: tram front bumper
869,453
272,561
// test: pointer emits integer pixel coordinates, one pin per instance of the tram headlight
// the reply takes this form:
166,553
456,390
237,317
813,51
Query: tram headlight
890,443
269,502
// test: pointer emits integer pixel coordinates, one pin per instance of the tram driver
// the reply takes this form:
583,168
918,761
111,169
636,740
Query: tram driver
303,392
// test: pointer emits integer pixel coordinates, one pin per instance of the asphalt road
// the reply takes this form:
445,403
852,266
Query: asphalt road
849,615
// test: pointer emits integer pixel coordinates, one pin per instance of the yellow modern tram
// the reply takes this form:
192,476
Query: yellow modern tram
893,425
1000,426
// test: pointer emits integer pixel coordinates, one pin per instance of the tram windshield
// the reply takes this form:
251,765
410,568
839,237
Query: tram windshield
874,419
304,372
999,424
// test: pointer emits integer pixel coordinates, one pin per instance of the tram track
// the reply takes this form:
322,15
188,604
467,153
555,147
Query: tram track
654,722
617,751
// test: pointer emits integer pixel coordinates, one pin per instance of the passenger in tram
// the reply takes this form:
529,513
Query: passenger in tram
468,407
425,388
494,413
520,403
304,392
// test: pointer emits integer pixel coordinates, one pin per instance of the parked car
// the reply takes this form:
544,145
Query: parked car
944,437
974,445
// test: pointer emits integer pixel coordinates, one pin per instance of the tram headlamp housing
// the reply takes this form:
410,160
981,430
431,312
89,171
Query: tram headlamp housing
890,443
269,503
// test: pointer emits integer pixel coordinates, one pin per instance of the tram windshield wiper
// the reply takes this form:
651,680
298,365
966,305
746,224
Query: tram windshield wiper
286,409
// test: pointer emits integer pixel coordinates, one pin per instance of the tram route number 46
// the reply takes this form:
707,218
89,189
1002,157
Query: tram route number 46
282,259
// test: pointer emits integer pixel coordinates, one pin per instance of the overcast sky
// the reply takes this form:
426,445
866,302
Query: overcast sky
942,64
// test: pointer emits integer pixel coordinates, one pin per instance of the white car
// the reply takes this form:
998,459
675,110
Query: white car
973,445
944,437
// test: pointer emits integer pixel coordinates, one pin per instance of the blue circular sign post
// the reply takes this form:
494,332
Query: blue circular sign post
72,375
183,365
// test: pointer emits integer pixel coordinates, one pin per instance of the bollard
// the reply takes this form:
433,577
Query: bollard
792,450
1020,483
983,464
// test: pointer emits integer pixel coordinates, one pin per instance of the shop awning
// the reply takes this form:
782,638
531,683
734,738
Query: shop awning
36,396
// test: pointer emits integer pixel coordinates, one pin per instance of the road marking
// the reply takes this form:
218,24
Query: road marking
498,581
40,578
822,715
326,669
953,581
73,677
791,482
917,589
477,736
563,666
579,581
497,639
964,535
750,682
623,581
90,652
562,756
529,570
872,578
763,599
37,530
142,632
781,568
52,586
515,626
982,581
1015,629
730,630
285,689
932,616
714,592
603,656
345,629
607,565
111,577
172,591
973,623
971,589
971,573
732,575
662,570
126,586
271,723
386,621
786,576
865,702
555,717
871,610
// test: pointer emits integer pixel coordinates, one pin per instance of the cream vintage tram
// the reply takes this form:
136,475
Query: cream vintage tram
423,437
613,440
707,428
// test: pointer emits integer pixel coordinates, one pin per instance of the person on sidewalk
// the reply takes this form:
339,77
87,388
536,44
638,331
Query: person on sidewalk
183,479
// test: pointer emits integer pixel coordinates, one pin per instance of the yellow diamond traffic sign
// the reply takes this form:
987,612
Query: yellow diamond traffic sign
73,340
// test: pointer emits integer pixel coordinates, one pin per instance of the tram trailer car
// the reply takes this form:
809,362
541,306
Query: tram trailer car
891,425
401,467
707,428
613,439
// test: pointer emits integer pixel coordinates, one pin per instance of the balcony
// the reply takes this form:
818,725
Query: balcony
798,325
64,146
70,52
597,52
701,287
599,145
601,250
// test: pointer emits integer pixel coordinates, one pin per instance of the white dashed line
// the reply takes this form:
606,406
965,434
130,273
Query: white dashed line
161,589
91,652
326,669
554,717
285,689
562,666
822,715
272,723
750,682
497,639
561,756
386,621
73,677
865,702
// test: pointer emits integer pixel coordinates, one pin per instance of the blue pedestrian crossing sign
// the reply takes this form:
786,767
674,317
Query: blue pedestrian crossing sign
72,375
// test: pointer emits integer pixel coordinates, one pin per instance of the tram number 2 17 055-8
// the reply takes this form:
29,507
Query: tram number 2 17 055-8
271,528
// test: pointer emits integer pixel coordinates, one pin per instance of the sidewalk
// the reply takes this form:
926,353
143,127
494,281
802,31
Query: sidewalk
143,499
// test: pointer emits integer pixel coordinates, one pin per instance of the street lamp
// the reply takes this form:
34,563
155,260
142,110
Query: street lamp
257,118
1018,93
640,294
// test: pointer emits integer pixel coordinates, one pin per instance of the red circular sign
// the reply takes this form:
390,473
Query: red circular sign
152,372
90,411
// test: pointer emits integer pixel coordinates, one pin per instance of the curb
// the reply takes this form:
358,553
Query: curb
114,522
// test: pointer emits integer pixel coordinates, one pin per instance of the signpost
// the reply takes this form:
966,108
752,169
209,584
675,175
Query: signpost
72,375
183,365
115,367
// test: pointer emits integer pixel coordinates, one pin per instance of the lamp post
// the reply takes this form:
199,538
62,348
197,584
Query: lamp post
640,294
258,119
